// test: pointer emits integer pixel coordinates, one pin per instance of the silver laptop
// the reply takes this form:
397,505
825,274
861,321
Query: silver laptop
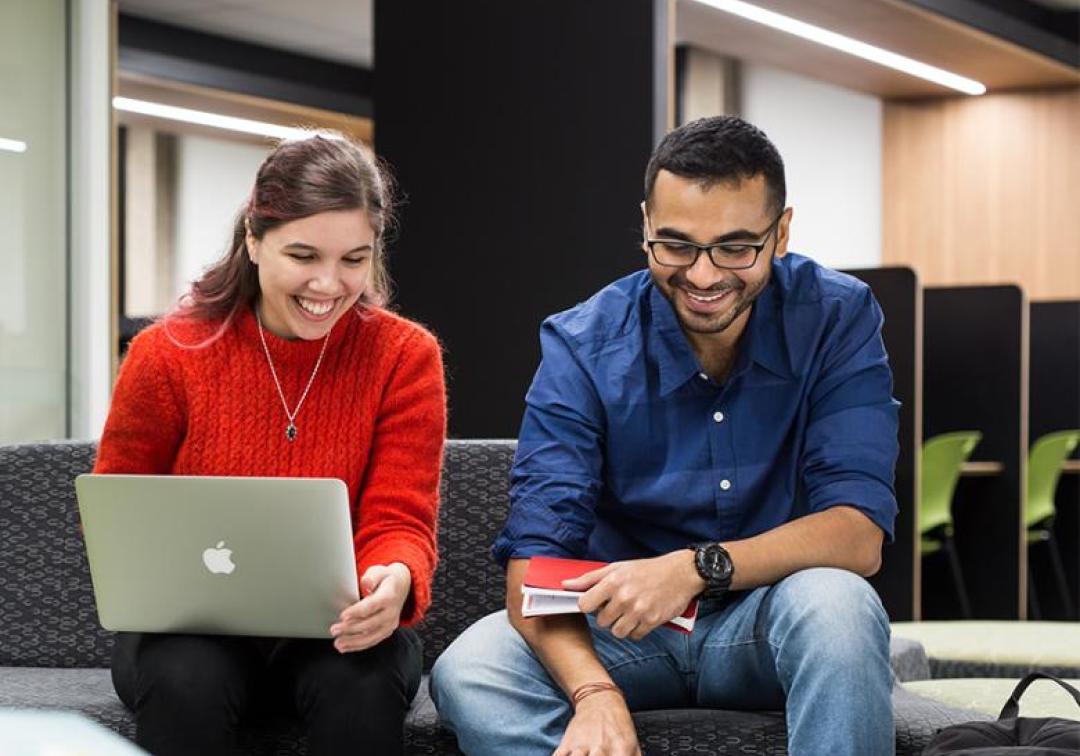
228,556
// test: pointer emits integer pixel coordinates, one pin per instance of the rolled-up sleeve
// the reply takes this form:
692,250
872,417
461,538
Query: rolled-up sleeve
556,478
851,442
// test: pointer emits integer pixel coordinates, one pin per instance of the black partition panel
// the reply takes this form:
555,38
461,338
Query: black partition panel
519,131
974,358
1055,405
1055,367
897,291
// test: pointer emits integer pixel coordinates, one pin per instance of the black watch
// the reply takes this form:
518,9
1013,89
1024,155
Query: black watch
713,563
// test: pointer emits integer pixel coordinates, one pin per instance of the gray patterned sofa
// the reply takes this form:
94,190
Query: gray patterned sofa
53,653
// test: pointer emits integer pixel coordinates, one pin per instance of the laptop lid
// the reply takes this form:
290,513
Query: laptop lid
218,555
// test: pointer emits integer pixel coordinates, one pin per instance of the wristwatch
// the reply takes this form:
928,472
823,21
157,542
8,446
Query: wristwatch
713,563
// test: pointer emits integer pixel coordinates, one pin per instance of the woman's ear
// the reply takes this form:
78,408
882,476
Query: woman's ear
250,243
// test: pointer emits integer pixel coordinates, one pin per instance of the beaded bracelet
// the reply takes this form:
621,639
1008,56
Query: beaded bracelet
586,690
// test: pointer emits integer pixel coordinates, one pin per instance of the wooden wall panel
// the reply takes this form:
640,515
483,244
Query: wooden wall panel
893,24
984,190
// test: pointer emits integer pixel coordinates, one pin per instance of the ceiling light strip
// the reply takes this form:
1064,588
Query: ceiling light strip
202,118
848,45
12,145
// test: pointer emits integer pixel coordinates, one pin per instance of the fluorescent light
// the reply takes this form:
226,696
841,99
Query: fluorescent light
848,45
202,118
12,145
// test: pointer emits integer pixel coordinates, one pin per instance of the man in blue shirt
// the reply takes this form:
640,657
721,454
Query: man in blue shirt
719,426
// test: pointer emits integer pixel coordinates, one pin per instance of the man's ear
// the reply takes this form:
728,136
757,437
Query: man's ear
644,224
783,232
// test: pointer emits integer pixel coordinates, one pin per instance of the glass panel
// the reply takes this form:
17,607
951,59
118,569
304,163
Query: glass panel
182,192
33,216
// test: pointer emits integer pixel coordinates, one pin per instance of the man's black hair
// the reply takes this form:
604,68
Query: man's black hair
719,150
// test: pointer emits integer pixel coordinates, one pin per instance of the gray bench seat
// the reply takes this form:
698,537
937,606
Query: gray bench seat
54,655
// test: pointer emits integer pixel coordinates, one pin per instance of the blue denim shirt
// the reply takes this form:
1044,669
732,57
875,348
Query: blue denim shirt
628,450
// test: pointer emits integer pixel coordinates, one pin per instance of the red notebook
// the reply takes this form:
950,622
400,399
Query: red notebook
543,592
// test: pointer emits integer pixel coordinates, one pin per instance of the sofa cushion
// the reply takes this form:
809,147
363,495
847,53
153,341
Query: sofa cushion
50,619
996,648
918,719
475,501
46,599
88,691
423,733
908,660
688,732
680,732
691,732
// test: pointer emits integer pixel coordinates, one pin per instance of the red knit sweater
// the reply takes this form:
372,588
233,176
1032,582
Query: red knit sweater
375,418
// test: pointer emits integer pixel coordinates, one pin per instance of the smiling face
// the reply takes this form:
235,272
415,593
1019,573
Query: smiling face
311,271
712,303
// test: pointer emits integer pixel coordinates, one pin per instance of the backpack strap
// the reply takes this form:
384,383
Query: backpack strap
1012,707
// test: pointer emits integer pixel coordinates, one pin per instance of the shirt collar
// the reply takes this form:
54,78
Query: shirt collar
763,341
675,359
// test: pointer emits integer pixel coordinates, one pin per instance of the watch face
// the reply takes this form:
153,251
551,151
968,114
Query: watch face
718,563
714,564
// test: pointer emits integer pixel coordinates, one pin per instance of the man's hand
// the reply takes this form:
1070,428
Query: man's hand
373,618
601,726
634,598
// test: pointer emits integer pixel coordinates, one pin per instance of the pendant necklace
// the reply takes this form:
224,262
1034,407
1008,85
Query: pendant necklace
290,429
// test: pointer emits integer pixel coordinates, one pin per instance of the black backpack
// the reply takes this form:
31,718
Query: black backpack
1011,735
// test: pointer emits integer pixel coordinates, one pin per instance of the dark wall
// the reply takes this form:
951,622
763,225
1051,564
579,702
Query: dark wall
1055,367
973,356
898,292
1055,405
519,133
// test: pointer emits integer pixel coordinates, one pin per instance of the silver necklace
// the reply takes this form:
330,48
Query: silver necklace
290,429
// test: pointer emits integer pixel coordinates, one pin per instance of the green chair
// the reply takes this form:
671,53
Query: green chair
942,457
1044,469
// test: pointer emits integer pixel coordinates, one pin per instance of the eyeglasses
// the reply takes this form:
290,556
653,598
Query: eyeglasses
740,255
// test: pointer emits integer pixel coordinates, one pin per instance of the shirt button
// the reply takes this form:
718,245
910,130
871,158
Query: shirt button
725,484
718,417
703,376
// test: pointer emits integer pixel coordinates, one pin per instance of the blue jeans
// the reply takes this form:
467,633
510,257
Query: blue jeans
815,645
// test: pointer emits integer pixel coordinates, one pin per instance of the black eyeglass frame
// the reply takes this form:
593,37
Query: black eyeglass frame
758,246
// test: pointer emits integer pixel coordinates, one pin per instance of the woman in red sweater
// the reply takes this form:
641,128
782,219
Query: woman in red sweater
282,362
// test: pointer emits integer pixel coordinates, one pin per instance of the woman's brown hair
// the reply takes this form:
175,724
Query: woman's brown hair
300,177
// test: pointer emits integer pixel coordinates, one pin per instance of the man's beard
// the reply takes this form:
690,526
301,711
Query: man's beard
744,294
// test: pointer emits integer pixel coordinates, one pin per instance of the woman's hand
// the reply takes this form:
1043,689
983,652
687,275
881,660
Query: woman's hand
373,618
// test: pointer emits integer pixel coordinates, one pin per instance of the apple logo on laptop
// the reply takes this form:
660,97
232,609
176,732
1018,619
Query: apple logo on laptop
219,559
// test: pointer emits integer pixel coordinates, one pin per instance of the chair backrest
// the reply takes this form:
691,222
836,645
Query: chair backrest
48,617
1044,469
942,457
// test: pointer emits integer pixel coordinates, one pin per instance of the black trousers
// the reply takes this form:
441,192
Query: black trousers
189,692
